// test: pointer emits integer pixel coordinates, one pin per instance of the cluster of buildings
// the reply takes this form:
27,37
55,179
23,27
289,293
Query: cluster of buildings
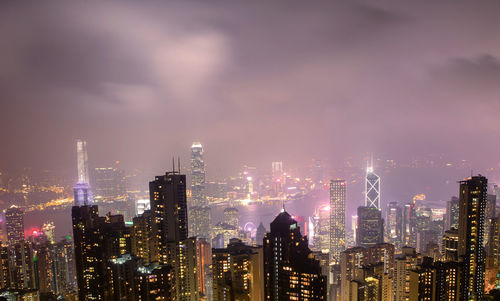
34,266
172,249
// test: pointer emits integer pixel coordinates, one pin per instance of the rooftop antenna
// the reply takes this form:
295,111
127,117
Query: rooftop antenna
179,164
283,205
173,164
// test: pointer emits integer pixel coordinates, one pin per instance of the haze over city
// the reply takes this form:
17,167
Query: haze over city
267,108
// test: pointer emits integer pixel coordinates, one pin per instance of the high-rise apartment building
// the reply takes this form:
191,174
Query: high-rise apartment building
238,272
14,224
472,207
289,270
337,218
169,206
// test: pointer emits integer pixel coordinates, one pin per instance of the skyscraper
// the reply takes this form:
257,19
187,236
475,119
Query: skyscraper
82,161
14,223
372,188
337,218
198,197
318,175
109,184
169,206
199,211
451,217
289,270
81,190
472,206
394,224
370,227
238,272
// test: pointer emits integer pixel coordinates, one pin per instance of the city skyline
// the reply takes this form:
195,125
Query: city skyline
250,151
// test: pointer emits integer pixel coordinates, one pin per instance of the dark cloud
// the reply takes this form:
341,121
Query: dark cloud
253,81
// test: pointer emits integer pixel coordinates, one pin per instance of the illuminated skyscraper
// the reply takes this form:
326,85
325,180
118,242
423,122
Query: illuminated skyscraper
82,161
321,224
81,191
372,188
109,184
199,211
394,224
472,206
289,270
14,223
337,218
198,197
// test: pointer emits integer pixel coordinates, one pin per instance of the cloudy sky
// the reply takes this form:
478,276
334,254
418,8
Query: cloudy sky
254,81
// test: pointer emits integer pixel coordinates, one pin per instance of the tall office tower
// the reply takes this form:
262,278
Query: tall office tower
14,224
318,175
23,272
289,271
198,196
199,211
450,245
337,219
238,272
204,261
394,224
451,216
81,190
232,217
90,270
370,227
109,184
82,161
372,188
156,282
409,226
168,203
261,232
321,223
403,264
144,238
472,206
